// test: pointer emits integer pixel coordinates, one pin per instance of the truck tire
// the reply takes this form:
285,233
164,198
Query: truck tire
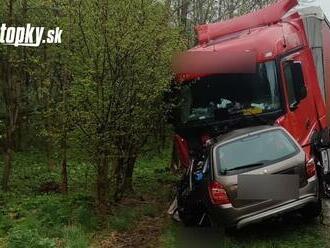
312,211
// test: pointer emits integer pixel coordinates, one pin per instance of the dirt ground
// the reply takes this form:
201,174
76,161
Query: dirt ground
145,235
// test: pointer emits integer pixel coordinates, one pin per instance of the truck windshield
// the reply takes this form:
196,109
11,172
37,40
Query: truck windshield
257,150
219,97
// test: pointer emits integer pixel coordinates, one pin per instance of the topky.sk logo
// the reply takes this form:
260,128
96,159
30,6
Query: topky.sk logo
29,36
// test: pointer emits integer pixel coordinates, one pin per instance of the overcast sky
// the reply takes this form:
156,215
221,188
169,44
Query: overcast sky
325,4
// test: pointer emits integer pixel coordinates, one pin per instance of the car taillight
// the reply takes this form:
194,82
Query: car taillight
310,168
218,194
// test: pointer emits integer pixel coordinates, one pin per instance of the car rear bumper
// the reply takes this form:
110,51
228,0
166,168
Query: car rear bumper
277,211
229,216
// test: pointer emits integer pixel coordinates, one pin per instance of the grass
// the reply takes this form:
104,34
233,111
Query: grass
290,231
75,237
169,237
29,218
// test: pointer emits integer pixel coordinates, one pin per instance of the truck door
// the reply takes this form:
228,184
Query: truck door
301,112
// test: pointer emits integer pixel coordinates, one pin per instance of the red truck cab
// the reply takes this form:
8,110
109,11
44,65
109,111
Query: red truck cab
268,67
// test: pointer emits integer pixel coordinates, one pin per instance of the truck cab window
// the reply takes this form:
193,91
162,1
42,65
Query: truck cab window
292,99
295,83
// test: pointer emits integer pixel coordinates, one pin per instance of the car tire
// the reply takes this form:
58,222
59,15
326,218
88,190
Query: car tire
231,231
189,219
312,211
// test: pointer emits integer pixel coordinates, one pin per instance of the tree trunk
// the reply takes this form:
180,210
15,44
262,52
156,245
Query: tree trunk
184,14
64,173
118,172
11,94
124,177
66,81
50,160
102,185
8,155
18,139
128,179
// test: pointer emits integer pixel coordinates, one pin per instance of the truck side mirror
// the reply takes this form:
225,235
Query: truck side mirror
298,80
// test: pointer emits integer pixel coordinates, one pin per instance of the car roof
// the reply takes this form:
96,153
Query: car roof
244,131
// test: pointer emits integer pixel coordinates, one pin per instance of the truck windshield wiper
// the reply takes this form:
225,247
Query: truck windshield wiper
244,167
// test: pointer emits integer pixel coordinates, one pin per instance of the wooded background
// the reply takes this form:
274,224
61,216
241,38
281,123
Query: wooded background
101,90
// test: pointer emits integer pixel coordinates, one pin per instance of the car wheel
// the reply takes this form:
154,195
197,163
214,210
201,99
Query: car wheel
230,231
189,218
313,210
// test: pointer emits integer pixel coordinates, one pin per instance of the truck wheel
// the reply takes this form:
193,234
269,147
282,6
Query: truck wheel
312,211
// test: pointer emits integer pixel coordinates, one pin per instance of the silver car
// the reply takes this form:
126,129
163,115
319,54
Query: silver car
252,174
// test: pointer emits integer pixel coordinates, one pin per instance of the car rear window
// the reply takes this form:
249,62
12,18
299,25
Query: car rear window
255,150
